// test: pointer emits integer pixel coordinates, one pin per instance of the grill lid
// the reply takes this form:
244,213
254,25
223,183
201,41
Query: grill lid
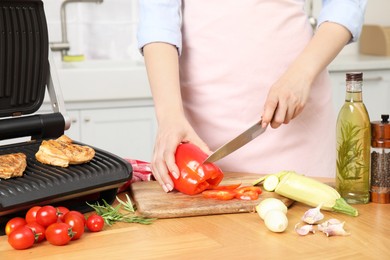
24,62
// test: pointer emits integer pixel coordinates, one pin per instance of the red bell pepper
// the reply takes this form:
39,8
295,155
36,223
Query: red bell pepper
195,176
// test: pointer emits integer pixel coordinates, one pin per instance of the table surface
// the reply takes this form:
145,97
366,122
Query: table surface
228,236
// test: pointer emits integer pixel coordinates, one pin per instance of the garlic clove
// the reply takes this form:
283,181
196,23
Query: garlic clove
312,216
304,230
333,227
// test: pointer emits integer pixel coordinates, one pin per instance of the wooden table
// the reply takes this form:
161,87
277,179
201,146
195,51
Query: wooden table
230,236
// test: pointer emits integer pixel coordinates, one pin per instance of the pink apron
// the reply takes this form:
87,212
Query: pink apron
233,51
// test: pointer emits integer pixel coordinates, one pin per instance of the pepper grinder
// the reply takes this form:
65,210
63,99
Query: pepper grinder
380,160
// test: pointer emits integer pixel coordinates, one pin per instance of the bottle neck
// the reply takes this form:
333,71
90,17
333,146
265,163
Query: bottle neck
354,91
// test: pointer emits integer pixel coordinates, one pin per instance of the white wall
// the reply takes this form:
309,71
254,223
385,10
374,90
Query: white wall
108,30
98,31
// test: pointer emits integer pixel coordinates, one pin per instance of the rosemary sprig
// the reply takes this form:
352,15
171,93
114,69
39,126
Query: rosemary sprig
112,214
128,205
350,161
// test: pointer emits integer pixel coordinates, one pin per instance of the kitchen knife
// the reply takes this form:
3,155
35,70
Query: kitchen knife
239,141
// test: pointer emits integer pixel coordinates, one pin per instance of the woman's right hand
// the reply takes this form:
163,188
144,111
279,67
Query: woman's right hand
170,134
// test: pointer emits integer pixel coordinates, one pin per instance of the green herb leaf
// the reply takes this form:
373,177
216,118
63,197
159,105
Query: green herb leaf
112,214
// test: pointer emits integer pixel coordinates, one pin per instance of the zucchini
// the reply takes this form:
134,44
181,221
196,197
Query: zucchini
312,192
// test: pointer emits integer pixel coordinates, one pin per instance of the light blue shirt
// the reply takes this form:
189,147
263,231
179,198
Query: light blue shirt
160,20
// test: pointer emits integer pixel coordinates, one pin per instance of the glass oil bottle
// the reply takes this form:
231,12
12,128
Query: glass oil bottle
353,136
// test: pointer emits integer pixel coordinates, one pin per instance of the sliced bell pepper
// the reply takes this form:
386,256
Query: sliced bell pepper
219,194
227,187
195,176
248,193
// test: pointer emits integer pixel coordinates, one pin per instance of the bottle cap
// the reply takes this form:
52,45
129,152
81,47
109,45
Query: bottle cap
354,76
380,132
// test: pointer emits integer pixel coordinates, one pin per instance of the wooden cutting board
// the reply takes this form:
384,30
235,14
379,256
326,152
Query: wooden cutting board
152,201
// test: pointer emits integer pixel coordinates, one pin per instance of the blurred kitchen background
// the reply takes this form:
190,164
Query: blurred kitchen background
108,30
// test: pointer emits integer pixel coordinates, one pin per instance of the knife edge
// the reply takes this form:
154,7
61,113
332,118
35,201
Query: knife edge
237,142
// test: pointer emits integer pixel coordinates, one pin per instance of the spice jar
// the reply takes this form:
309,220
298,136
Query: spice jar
380,160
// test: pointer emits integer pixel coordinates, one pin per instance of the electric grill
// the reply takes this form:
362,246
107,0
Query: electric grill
26,71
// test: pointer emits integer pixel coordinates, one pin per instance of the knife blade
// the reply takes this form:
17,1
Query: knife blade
239,141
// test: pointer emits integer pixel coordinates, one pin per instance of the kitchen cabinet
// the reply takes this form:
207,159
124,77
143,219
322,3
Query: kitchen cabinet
376,82
128,132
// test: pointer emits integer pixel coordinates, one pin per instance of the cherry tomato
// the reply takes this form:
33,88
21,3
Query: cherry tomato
46,215
38,230
77,213
13,224
219,194
21,238
77,224
95,223
32,214
248,193
61,211
59,233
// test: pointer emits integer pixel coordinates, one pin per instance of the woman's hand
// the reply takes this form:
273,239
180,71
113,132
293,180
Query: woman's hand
286,98
171,133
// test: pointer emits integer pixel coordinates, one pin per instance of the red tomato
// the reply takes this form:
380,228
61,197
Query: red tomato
32,213
227,187
13,224
248,193
38,230
77,224
59,234
46,216
195,176
61,211
219,194
21,238
77,213
95,223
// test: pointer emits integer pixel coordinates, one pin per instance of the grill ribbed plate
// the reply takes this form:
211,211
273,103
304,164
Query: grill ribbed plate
43,183
24,52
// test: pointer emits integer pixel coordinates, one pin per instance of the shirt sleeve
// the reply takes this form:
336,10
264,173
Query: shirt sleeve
348,13
159,21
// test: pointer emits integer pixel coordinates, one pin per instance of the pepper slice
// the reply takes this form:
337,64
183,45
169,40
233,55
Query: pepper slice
195,176
227,187
248,193
219,194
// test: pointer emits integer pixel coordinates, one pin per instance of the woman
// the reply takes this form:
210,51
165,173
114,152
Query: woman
216,67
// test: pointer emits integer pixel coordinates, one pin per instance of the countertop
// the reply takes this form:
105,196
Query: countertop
228,236
348,62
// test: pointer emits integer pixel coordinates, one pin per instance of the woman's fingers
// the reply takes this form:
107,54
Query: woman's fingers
163,161
281,108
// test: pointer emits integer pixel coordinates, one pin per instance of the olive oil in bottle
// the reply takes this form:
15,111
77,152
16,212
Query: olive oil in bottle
353,136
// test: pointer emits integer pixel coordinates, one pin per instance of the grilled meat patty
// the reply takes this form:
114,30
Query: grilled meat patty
12,165
62,152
